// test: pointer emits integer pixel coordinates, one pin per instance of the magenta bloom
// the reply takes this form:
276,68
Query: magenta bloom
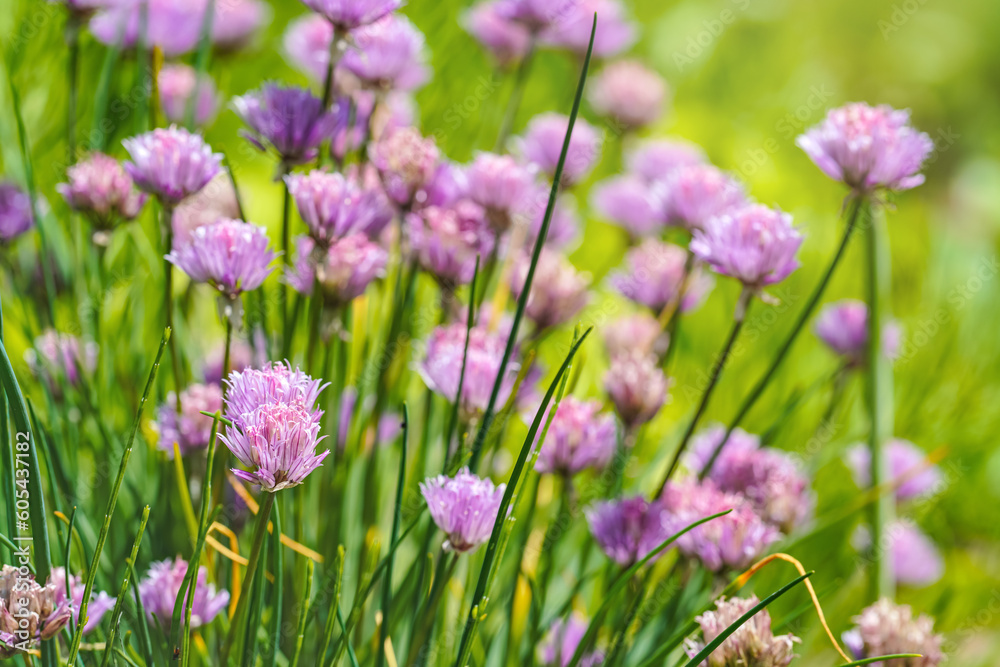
627,529
615,33
389,55
754,244
916,560
100,602
270,384
464,507
442,365
446,241
101,189
560,642
753,643
843,326
632,204
543,141
307,45
407,162
15,212
640,332
171,164
346,15
344,270
905,460
235,22
886,628
215,201
558,291
176,85
506,40
190,429
868,147
58,358
579,437
162,584
230,255
501,186
698,193
291,121
334,206
655,275
658,160
536,15
704,443
732,542
29,612
637,387
628,92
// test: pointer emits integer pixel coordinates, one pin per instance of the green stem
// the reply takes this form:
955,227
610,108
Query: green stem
72,72
286,213
516,95
168,299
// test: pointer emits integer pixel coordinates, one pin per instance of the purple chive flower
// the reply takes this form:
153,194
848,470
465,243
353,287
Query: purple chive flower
215,201
343,271
637,387
886,628
171,164
843,326
868,147
630,93
558,291
190,429
506,40
501,186
100,603
631,203
754,244
307,43
639,332
579,437
29,612
271,384
235,22
536,15
347,15
442,365
58,358
230,255
289,120
177,84
655,275
389,55
560,642
100,188
615,33
407,163
627,529
543,141
732,542
446,241
449,185
659,159
698,193
334,206
15,212
753,644
916,560
159,589
906,460
464,507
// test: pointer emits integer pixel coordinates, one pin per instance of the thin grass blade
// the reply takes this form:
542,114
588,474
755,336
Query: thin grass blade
116,614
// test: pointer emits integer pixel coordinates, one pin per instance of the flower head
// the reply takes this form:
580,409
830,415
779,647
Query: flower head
99,605
916,560
58,358
235,22
753,644
334,206
637,387
543,141
177,84
658,160
291,121
171,163
501,186
347,15
631,203
307,43
407,163
29,612
190,429
100,188
627,529
630,93
560,642
272,383
700,192
389,55
343,270
579,437
868,147
230,255
15,212
558,290
506,40
464,507
754,244
656,273
159,589
615,33
843,326
886,628
640,332
446,241
536,15
909,471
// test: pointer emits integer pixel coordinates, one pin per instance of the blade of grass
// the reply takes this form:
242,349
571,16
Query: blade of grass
278,590
338,581
116,615
143,627
470,318
396,520
300,633
98,135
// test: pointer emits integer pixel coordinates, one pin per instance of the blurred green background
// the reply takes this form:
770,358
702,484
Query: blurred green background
746,77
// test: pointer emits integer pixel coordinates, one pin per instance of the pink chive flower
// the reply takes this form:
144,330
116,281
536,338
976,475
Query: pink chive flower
508,42
16,217
235,22
407,163
334,206
270,384
171,163
560,642
543,141
100,188
343,270
698,193
730,542
579,437
159,589
627,529
657,160
99,605
631,203
291,121
868,147
441,367
905,460
637,387
58,358
447,241
753,643
190,429
307,43
501,186
464,507
916,560
176,85
630,93
615,33
558,292
843,327
29,612
640,332
347,15
536,15
215,201
654,276
230,255
389,55
886,628
755,244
